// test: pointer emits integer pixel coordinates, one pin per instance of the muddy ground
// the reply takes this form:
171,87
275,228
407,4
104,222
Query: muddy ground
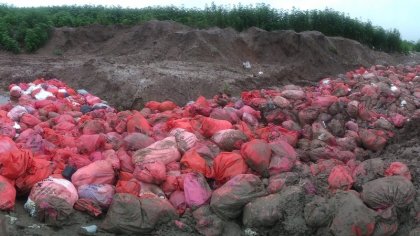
128,66
165,60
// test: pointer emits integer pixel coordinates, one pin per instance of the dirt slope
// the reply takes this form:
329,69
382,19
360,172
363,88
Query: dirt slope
128,65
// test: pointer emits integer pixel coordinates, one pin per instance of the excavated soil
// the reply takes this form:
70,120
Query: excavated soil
128,66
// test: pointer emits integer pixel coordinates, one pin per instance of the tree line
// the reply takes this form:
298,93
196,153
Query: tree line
27,29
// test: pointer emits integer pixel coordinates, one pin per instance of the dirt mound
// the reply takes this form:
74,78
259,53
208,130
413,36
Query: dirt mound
166,40
161,60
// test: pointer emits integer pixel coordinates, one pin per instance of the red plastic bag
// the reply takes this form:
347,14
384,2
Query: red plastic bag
192,161
398,168
98,172
324,166
89,206
90,143
365,114
14,164
111,156
227,165
95,126
371,140
257,154
150,172
340,178
126,161
211,126
183,123
225,114
137,123
6,129
78,160
29,120
7,145
324,101
7,194
274,133
128,186
398,120
167,106
172,182
38,170
197,191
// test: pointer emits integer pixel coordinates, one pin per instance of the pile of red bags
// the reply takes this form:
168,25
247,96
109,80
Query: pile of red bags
205,152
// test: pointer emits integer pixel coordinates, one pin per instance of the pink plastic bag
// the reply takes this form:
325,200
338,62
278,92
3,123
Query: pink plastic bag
177,199
151,172
51,188
165,150
197,191
98,172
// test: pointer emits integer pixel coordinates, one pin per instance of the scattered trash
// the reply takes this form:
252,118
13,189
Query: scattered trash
88,230
246,65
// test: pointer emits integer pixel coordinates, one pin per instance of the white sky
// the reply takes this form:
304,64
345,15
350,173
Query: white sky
403,15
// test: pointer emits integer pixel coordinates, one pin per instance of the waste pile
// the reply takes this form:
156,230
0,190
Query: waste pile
290,159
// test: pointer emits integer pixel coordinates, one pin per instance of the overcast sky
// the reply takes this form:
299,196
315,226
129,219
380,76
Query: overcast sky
403,15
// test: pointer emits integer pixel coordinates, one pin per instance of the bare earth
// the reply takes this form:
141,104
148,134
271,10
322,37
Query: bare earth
128,66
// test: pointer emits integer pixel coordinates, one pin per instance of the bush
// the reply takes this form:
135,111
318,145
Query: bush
29,28
416,46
